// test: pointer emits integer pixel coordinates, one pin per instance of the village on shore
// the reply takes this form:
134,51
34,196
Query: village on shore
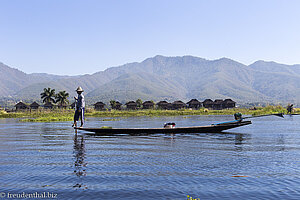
217,104
56,107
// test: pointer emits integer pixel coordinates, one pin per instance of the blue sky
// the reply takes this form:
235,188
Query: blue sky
85,36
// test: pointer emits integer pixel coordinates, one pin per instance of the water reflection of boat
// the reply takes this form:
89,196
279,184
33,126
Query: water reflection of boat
214,128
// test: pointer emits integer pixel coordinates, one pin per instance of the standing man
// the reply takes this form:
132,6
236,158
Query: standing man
290,109
79,107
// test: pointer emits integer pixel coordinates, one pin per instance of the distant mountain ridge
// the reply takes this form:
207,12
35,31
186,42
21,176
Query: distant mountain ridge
13,80
167,78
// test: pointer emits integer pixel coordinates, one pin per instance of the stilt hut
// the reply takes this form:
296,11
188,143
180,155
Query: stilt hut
228,103
163,105
176,105
117,106
99,106
34,106
194,104
148,105
208,103
21,106
131,105
218,104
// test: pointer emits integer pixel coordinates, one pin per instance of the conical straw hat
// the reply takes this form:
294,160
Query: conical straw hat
79,89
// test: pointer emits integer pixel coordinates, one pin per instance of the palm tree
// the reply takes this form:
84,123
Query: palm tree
48,95
62,98
139,103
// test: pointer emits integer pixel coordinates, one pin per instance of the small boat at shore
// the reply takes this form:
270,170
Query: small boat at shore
214,128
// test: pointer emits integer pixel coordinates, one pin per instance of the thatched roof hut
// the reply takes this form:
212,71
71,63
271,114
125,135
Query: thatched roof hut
21,106
163,105
148,105
34,106
131,105
117,106
208,103
228,103
194,103
178,105
99,106
218,104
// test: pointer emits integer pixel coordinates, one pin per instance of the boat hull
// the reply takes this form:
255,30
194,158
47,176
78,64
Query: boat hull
215,128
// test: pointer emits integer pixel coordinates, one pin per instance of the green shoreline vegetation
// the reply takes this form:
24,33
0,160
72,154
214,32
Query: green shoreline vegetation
67,114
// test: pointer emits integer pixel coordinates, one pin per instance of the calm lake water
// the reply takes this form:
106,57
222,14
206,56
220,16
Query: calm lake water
259,161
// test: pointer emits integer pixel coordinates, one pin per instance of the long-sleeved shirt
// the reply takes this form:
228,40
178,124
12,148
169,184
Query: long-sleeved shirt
80,102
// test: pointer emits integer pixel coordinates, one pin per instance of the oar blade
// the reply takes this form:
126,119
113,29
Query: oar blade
276,114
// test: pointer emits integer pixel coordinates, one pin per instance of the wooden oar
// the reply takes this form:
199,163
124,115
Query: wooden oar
276,114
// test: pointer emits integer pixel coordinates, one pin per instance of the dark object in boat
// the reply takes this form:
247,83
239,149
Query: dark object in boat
238,116
214,128
169,125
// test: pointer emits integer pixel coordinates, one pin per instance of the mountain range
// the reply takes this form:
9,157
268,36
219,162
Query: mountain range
166,78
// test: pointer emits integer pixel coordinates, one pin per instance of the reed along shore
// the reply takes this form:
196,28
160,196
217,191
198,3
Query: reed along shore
67,114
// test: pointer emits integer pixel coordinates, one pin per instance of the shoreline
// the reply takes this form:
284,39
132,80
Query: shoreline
67,115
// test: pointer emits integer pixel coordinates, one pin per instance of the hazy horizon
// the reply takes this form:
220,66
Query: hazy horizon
37,72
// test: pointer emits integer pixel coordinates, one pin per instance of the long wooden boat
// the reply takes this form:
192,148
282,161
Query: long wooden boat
214,128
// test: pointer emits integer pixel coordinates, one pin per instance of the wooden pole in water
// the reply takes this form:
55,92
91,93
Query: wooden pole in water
75,127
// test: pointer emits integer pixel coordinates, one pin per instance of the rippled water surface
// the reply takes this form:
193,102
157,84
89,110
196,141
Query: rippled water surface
259,161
